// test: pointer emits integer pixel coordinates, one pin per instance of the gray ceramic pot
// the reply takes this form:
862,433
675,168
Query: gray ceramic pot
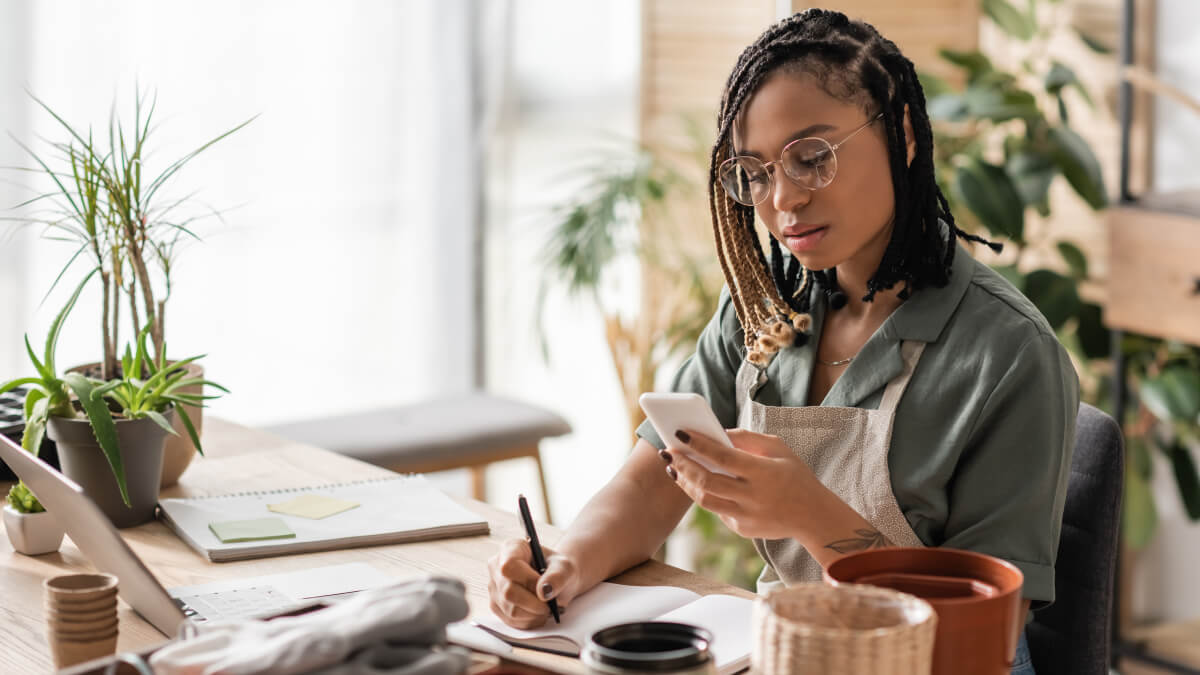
141,443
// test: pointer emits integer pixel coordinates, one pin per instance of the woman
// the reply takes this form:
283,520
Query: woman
885,387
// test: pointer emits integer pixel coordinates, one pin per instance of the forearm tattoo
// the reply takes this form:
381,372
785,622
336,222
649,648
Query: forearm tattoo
865,538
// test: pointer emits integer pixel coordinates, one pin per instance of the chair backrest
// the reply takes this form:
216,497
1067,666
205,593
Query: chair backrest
1073,635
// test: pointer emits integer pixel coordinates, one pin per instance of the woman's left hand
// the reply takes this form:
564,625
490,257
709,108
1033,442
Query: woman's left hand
769,491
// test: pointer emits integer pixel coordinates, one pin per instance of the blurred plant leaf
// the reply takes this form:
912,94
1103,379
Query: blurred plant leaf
1061,76
1173,394
1094,337
1000,105
1093,44
989,193
1079,165
1054,295
973,61
1010,19
1032,173
1186,478
1075,259
950,107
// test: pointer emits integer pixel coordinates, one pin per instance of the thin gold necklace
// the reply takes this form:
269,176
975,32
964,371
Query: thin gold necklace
842,362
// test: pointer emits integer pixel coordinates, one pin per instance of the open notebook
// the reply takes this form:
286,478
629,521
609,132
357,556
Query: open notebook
727,617
389,511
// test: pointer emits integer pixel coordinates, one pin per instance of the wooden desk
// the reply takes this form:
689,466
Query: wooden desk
238,459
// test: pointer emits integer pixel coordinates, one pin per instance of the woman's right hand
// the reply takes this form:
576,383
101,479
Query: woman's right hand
518,593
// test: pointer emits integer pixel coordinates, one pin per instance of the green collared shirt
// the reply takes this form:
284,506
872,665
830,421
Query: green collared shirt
982,440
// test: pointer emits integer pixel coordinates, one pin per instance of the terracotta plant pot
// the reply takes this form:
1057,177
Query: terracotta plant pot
977,598
32,533
141,446
179,450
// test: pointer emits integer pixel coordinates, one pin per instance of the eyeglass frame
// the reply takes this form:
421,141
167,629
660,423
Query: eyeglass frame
833,147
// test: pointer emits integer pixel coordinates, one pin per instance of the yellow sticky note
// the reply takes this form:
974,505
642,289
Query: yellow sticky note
313,506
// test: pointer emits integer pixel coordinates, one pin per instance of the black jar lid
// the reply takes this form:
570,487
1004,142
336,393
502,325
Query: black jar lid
651,646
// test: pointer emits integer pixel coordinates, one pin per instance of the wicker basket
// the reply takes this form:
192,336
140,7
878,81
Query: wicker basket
849,629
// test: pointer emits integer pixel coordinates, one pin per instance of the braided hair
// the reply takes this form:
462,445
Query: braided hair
852,62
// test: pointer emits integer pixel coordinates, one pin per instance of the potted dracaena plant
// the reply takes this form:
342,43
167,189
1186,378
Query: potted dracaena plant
122,219
110,433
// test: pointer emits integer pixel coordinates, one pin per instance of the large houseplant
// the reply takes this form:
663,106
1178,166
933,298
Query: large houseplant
1000,142
110,433
122,220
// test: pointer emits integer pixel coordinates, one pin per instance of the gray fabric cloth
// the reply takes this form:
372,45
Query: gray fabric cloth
982,438
381,630
1074,634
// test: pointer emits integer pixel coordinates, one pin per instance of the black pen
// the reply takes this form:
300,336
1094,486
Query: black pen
539,558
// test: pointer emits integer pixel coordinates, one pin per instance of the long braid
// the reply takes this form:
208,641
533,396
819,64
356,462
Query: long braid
852,62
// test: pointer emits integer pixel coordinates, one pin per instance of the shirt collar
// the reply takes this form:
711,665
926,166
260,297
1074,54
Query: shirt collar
921,318
924,315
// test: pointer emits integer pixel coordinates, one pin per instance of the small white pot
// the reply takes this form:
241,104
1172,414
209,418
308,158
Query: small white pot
32,533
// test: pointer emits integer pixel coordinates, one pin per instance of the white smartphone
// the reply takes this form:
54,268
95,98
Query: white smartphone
671,412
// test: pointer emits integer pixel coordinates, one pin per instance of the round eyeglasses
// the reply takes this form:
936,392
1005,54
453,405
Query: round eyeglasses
809,162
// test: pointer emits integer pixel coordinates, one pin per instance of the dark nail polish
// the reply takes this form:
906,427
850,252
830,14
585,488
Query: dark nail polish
547,591
683,436
666,456
672,473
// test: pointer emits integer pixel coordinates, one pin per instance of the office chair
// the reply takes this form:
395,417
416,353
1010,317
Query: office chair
1073,635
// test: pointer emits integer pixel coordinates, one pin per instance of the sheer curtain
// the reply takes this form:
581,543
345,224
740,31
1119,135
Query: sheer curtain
343,275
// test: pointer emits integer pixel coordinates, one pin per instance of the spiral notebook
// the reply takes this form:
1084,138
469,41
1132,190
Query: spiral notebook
390,510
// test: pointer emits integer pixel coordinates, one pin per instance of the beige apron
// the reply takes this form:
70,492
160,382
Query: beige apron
847,449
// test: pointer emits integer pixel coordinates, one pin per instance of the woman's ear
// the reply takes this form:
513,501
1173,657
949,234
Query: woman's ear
910,139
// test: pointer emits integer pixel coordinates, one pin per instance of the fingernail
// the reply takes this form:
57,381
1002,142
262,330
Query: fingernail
666,456
683,436
672,473
547,591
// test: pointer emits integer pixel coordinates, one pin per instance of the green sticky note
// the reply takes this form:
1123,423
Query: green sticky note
311,506
255,529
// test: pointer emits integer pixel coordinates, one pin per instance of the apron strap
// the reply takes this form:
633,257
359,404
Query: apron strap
910,351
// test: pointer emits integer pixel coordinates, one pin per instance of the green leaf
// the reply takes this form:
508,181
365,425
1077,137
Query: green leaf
1077,162
1010,19
35,427
1186,479
1173,395
31,400
1058,77
949,107
20,381
56,326
1031,173
102,425
1075,258
1054,294
1139,516
1093,44
973,61
1094,337
999,104
161,421
191,429
989,193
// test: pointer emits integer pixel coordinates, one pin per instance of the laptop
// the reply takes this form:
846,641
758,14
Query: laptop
170,609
